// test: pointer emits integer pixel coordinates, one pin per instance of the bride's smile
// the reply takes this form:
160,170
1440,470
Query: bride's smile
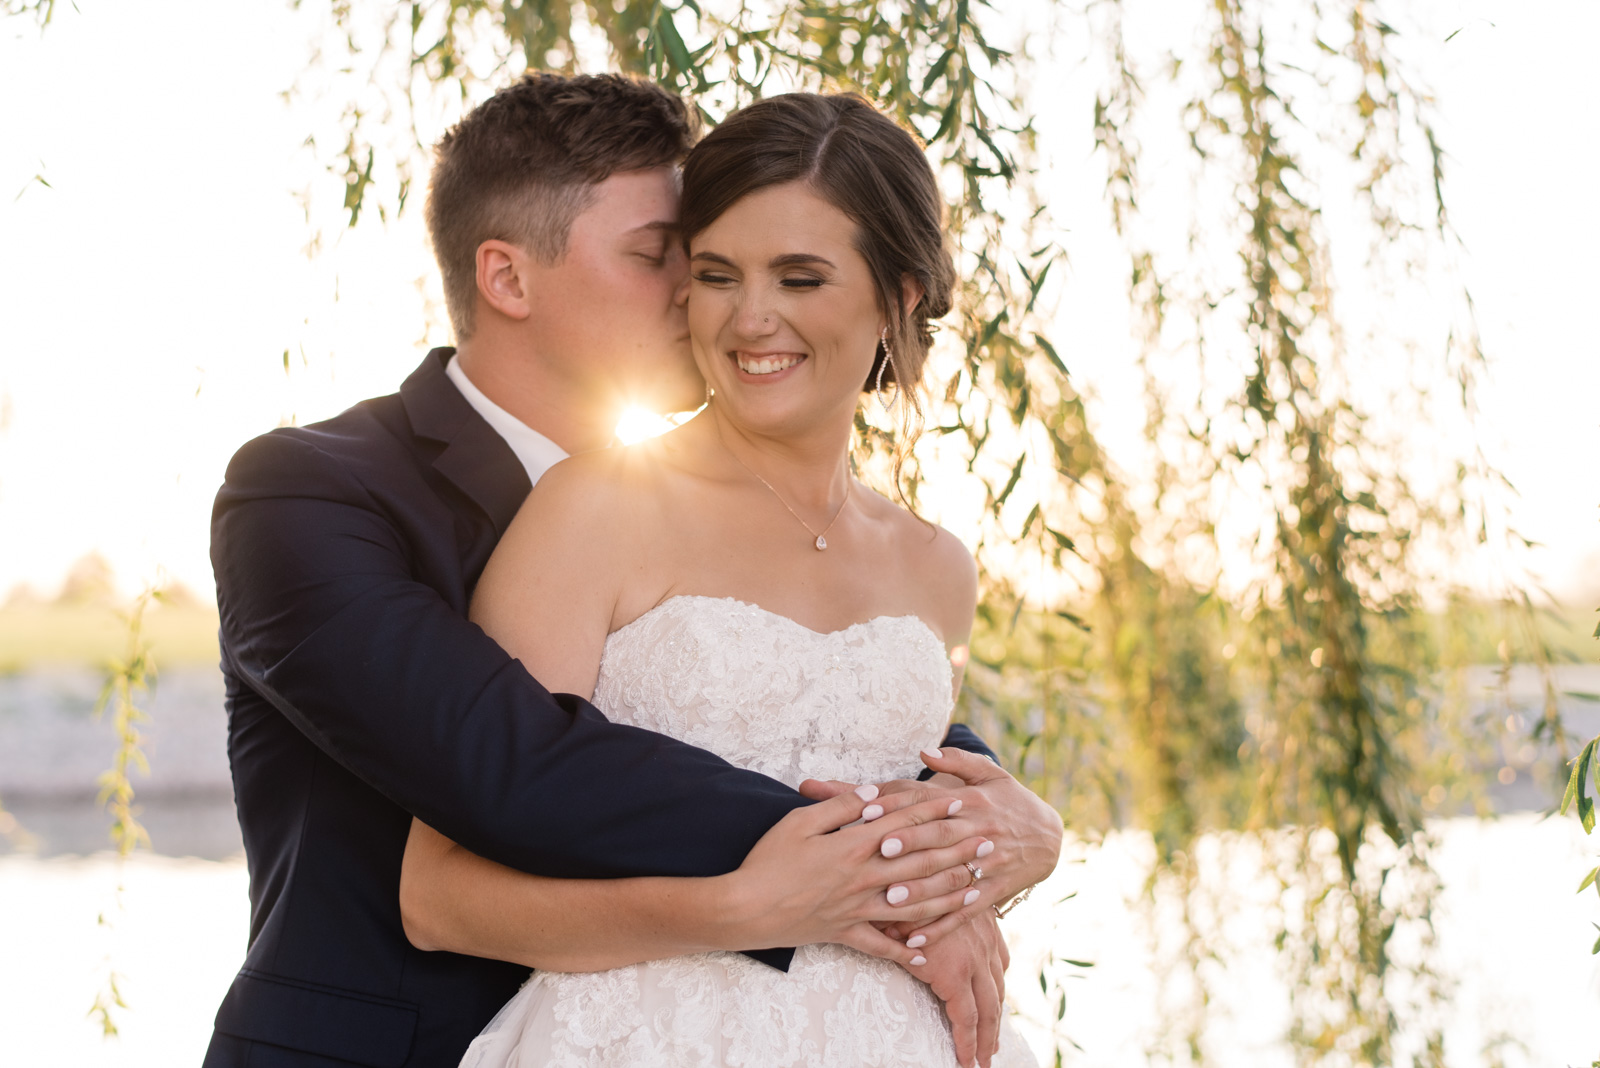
766,364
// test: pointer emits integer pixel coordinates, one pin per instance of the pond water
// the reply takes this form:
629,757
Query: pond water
1512,934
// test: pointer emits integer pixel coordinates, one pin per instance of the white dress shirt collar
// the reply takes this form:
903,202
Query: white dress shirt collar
537,452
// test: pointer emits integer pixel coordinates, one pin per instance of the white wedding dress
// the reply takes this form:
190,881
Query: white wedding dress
770,695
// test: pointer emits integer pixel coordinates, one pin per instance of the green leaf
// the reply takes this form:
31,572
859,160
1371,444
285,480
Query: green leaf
947,120
1062,540
677,51
1580,768
937,70
1078,963
1076,621
1588,880
1035,284
1055,357
1011,484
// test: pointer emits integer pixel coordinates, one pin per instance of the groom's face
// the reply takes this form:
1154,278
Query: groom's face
607,305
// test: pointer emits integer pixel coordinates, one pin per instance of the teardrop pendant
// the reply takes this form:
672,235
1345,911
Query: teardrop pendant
822,543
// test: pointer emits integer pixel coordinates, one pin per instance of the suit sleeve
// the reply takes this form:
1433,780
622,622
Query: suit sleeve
322,614
961,736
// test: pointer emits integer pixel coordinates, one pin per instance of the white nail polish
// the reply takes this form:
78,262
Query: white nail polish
872,812
933,754
985,848
972,895
916,941
867,793
919,960
891,847
955,806
897,894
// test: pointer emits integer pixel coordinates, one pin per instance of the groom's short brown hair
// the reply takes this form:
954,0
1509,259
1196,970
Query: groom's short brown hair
523,164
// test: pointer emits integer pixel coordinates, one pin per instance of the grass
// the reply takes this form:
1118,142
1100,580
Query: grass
185,634
89,635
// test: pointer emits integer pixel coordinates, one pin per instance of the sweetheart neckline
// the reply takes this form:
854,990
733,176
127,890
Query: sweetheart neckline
779,616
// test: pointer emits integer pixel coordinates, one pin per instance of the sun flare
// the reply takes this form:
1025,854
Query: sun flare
641,424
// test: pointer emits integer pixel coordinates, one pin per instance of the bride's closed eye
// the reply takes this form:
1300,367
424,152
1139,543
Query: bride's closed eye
710,278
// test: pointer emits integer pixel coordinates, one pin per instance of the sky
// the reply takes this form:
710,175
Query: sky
150,290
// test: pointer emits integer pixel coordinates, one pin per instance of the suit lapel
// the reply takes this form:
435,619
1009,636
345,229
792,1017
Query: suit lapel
475,459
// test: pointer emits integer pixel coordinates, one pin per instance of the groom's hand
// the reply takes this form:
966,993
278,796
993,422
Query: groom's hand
968,972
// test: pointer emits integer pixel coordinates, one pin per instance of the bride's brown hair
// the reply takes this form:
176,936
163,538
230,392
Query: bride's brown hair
868,167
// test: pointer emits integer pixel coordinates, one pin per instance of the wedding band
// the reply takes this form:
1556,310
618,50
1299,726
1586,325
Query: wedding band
977,873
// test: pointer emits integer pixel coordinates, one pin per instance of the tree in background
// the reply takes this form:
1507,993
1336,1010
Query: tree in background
1231,631
1239,627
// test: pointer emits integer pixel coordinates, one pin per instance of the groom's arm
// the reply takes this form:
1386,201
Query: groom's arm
323,614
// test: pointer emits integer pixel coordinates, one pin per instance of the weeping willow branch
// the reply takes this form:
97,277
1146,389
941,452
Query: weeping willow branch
1584,767
1325,649
128,680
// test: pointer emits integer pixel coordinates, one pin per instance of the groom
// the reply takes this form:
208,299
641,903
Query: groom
346,552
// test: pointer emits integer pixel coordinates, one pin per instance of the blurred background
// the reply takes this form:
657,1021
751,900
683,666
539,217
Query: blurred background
1268,406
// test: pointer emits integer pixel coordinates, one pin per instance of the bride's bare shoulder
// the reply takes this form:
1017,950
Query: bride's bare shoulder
584,512
598,484
935,561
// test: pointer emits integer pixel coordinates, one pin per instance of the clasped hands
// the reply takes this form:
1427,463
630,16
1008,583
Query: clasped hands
883,868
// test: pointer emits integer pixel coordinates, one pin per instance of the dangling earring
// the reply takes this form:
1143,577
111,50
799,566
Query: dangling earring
883,343
709,394
877,386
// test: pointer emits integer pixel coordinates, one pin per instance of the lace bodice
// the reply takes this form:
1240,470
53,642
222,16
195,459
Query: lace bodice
768,694
765,693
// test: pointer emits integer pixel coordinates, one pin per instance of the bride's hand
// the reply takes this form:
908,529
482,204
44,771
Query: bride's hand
1026,831
816,878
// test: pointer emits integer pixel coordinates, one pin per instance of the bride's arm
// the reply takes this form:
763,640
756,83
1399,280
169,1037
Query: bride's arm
805,881
453,899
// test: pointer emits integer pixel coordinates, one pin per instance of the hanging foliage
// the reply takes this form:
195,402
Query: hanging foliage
1232,631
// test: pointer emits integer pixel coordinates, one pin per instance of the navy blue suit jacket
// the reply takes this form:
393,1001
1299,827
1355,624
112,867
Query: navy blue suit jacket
358,694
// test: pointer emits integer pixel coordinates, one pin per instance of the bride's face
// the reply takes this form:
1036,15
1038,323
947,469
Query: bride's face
782,313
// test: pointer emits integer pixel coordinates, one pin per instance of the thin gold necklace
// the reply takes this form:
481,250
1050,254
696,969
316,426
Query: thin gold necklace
821,541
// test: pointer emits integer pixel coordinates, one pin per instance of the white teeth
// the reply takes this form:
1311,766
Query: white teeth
766,365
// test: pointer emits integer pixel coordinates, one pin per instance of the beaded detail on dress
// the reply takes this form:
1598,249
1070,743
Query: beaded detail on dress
767,694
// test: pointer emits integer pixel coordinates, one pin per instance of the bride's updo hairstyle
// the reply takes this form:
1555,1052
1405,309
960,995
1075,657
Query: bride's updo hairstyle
865,165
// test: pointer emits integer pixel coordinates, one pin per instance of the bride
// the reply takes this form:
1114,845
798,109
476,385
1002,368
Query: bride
733,585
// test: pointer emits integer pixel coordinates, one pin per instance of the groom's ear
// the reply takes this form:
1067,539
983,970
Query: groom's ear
911,293
504,280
